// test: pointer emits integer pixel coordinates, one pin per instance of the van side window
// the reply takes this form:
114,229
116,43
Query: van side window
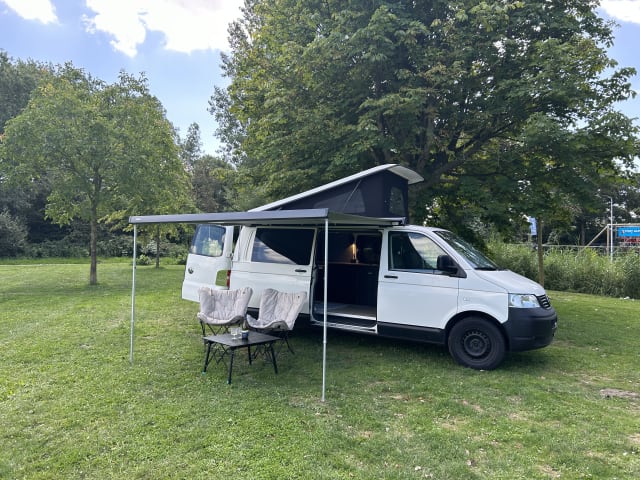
411,251
208,241
283,245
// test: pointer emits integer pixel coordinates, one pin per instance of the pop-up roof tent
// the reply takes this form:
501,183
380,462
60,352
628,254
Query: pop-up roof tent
378,192
375,197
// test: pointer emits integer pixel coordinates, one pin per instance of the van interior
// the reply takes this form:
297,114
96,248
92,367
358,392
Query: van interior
352,288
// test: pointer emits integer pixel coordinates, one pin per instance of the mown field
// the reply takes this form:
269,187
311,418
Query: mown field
71,405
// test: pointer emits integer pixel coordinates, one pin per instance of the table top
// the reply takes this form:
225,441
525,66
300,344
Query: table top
255,338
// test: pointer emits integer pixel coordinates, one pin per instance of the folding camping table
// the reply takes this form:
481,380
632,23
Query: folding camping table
226,344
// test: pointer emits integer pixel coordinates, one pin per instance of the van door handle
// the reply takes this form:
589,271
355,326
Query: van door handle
391,276
300,270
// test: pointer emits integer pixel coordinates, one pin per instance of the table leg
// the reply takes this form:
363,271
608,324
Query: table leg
206,358
249,352
273,357
233,354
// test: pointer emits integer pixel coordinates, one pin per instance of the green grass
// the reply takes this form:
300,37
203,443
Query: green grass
71,406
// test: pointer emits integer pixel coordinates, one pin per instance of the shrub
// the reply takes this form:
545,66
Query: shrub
521,259
13,235
116,246
630,266
167,249
582,271
56,248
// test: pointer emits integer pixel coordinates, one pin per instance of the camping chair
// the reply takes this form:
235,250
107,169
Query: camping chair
219,309
278,313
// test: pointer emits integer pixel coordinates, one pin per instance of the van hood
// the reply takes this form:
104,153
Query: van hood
510,281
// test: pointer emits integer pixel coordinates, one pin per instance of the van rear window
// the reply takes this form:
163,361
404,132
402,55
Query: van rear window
283,245
208,241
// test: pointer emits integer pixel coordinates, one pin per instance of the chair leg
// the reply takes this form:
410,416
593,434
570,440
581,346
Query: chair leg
286,339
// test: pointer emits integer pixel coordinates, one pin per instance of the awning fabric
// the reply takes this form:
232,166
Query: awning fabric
307,217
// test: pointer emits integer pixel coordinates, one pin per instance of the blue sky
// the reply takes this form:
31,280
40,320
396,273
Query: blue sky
177,44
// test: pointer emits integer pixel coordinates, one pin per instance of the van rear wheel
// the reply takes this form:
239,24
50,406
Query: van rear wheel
477,343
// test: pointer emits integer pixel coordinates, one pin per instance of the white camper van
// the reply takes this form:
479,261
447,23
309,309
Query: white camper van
383,277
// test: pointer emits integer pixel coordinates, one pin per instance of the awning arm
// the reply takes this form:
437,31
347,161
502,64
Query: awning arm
133,293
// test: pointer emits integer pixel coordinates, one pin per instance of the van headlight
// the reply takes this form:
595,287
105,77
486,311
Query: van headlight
523,300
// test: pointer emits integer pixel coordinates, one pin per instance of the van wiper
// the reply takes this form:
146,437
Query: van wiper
487,269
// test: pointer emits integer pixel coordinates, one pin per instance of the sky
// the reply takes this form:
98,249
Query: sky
177,45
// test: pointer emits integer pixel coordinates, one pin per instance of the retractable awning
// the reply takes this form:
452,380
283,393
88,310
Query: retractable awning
318,217
306,217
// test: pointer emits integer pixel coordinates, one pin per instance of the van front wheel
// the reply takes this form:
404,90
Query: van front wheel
476,343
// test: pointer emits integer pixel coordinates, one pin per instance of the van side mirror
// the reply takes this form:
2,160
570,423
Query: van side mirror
446,264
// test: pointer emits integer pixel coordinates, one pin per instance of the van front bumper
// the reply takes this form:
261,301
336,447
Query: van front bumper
530,328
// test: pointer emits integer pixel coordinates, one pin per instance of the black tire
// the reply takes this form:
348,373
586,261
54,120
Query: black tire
477,343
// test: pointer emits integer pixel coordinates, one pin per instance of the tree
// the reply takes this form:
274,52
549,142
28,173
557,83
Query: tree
107,150
12,235
18,80
320,89
212,180
191,146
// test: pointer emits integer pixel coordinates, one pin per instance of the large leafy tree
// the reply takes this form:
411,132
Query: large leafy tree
18,79
322,88
212,179
107,150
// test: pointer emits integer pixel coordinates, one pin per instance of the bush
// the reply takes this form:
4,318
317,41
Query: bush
13,235
56,248
143,260
116,246
630,266
167,249
581,271
521,259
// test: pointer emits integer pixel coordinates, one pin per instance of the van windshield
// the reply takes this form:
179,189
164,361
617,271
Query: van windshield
476,258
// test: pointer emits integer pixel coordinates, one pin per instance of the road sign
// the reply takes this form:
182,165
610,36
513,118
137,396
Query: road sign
627,232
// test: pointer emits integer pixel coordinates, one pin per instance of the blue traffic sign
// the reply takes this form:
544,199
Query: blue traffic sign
629,231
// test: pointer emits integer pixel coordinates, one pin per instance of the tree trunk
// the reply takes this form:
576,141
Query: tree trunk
93,248
540,253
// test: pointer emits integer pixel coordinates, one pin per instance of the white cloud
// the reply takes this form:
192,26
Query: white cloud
187,25
40,10
622,10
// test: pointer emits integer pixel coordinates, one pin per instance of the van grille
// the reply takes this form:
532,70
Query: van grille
544,301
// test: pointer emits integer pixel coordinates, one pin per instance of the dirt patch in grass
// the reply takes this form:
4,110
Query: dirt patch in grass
615,393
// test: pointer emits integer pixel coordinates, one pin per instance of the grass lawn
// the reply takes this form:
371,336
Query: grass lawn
72,407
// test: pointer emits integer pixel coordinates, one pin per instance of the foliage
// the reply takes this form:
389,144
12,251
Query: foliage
13,235
71,406
213,182
583,271
212,179
143,260
107,150
191,146
18,79
462,92
63,248
167,249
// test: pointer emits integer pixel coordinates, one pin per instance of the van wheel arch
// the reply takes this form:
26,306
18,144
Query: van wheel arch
477,341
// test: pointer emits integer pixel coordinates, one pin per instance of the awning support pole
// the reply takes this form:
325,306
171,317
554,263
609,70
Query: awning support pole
133,293
324,329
